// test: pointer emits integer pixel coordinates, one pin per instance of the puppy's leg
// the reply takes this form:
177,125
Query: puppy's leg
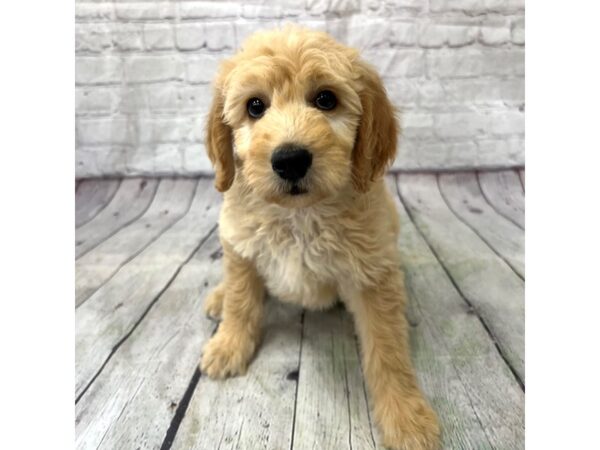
405,419
229,351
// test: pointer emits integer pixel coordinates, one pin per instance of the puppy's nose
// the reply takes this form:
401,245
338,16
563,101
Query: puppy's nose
291,161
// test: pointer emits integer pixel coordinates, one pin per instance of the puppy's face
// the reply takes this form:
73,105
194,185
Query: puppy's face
300,118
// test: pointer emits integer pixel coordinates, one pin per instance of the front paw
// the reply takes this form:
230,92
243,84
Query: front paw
226,355
409,424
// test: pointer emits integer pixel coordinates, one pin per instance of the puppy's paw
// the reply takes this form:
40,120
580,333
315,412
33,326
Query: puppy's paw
213,303
409,424
226,355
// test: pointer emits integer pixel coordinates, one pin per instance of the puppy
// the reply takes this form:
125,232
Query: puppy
300,133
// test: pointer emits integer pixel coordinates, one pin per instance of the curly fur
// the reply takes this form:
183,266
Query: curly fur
338,240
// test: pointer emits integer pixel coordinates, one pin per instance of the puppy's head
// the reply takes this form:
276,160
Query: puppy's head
300,118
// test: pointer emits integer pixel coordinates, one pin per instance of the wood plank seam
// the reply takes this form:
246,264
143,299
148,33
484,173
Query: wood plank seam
134,255
489,202
297,378
434,329
461,198
257,396
521,174
121,413
90,198
145,313
452,331
182,407
474,230
105,433
170,428
364,386
348,404
102,207
460,292
330,362
125,224
426,321
237,443
159,352
99,336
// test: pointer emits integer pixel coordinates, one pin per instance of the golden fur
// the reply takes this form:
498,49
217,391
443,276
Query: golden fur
338,240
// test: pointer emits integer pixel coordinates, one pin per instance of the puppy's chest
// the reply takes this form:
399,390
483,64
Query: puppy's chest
302,247
298,257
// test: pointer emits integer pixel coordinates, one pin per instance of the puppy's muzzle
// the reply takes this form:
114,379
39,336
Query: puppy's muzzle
291,162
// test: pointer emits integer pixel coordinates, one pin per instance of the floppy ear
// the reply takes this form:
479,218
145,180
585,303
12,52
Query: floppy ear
375,145
219,143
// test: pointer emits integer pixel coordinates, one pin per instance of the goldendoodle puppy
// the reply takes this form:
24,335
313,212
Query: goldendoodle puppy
300,133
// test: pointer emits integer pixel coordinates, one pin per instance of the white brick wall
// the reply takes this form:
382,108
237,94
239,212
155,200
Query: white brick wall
455,68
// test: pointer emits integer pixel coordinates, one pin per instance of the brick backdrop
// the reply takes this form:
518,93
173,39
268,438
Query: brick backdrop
455,68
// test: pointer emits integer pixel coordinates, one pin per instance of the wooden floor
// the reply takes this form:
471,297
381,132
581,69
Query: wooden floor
147,254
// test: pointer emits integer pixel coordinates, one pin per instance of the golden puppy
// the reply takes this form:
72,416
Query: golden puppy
300,133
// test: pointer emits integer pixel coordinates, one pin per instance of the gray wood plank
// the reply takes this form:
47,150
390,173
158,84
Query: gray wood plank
484,280
503,190
114,309
131,200
479,402
91,197
173,199
133,401
464,197
254,411
331,407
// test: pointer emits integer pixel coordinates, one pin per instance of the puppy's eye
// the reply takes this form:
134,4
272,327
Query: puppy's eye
325,100
256,108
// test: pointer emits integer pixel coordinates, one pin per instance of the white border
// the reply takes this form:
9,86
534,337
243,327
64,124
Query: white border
562,225
37,236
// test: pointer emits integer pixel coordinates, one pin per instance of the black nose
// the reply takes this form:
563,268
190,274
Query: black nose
290,161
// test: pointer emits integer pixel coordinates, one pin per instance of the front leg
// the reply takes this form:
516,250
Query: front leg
405,419
229,351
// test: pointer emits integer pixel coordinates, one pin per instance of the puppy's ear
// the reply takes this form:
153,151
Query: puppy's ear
219,142
375,146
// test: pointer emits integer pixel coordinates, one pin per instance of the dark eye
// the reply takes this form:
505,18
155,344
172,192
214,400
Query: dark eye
325,100
256,107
